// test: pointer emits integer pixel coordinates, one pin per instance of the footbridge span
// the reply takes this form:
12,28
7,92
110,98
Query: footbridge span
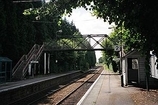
29,63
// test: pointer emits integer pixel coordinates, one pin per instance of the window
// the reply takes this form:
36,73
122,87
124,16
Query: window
134,63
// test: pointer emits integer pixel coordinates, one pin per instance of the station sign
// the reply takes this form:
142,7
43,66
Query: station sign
116,48
34,61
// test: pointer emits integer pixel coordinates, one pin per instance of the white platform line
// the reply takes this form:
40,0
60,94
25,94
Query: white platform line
88,91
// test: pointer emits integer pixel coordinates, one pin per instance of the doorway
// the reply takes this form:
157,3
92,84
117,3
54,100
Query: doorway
133,67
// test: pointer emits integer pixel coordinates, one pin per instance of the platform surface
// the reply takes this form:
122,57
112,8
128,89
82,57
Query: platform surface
108,91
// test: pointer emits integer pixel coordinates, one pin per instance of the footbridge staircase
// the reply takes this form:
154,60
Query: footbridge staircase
20,69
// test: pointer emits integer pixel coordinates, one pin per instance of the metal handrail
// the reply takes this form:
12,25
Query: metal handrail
24,69
33,54
39,52
31,51
33,57
18,63
24,57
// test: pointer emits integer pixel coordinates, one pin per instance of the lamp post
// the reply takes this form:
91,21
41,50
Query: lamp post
121,58
121,52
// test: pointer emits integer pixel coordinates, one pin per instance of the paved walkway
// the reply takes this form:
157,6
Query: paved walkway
108,91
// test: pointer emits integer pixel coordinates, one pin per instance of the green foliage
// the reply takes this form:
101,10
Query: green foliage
101,60
90,58
129,40
108,54
120,36
114,66
13,23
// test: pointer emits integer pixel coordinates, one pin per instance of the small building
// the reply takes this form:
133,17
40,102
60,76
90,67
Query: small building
5,69
133,68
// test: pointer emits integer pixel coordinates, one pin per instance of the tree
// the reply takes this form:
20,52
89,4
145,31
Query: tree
108,54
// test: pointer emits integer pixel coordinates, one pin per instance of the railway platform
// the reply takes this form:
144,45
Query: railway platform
12,85
107,90
13,93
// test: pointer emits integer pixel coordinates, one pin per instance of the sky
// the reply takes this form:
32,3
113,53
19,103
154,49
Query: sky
88,24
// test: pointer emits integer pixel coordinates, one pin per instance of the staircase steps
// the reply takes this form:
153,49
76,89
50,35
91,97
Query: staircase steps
21,68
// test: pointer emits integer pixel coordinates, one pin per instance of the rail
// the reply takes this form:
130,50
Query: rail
69,91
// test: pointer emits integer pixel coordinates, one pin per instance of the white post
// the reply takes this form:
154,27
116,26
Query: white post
45,63
29,69
35,68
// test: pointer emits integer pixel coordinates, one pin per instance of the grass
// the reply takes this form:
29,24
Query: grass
105,66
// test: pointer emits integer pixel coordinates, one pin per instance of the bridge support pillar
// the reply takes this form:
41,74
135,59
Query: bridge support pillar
46,63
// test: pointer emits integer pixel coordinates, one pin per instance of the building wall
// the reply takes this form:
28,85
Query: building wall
141,71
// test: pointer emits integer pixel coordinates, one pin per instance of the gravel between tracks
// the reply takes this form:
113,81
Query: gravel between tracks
57,96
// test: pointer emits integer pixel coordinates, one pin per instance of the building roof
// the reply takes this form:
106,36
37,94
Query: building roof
5,59
130,53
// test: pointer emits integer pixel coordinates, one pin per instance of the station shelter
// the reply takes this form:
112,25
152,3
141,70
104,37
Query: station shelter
133,68
5,69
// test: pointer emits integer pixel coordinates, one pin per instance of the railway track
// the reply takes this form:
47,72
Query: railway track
69,94
63,94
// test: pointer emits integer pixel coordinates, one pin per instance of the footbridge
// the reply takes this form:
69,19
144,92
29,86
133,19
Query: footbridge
90,42
28,64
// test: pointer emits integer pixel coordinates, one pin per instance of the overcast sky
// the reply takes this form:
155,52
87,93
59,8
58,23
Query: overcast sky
88,24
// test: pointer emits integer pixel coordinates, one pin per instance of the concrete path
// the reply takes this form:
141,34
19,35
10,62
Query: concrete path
108,91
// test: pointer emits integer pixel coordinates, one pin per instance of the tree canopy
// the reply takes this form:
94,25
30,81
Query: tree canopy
138,16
